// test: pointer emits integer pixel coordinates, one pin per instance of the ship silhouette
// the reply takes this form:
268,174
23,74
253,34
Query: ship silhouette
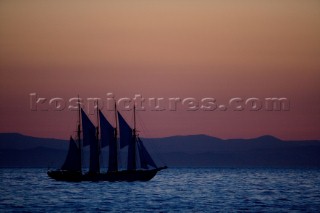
140,165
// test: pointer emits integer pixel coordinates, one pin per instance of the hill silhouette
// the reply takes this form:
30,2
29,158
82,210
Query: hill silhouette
18,150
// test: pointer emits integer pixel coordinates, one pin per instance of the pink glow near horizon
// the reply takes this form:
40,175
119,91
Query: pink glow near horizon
219,49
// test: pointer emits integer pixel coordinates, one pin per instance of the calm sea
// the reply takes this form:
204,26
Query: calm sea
172,190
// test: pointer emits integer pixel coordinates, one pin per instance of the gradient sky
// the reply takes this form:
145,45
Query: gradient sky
189,48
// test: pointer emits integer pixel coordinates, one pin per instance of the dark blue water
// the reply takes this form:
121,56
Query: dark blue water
184,190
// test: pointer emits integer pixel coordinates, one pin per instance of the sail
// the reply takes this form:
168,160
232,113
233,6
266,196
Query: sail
73,159
108,138
145,158
128,139
125,132
89,138
132,154
88,129
107,131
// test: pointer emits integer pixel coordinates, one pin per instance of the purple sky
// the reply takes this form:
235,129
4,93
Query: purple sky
199,49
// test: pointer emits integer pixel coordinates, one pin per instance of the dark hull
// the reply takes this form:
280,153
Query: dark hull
136,175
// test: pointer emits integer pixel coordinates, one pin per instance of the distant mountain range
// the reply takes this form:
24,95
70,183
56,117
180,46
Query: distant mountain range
18,150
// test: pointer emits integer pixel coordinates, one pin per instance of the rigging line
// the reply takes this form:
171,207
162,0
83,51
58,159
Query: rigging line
143,126
153,146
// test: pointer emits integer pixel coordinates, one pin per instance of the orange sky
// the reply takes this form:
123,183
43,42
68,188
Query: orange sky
190,48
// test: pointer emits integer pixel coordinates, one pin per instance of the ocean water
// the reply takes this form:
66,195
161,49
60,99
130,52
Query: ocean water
172,190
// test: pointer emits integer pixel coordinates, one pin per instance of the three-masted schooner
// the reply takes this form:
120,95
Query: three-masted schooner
101,136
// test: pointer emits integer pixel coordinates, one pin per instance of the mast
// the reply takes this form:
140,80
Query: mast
134,120
79,133
116,137
116,117
134,136
97,135
98,123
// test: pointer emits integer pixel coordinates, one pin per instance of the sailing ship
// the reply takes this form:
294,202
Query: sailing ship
140,165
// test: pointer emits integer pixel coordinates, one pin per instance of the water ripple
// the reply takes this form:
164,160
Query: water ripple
172,190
